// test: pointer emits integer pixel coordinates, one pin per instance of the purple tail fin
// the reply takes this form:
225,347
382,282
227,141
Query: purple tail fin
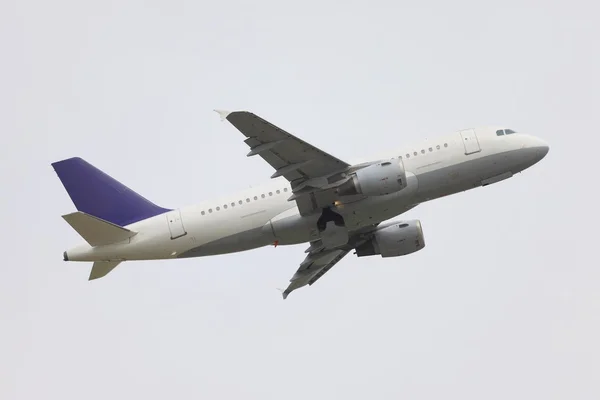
97,194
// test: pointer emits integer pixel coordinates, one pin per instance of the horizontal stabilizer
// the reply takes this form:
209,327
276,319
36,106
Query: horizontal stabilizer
96,231
101,268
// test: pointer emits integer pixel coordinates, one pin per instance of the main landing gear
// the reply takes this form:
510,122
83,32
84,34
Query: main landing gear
332,228
329,215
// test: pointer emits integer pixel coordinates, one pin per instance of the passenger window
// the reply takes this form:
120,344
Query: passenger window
422,151
225,206
202,213
437,147
407,155
218,208
255,198
430,149
262,195
210,210
278,191
445,144
240,202
270,193
415,153
285,189
248,200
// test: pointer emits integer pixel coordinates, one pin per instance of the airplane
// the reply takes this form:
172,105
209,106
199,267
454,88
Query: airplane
313,197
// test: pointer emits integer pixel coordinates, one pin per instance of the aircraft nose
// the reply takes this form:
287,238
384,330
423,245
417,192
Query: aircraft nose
534,149
541,148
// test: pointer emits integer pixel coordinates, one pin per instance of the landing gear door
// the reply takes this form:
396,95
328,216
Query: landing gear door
175,224
334,236
469,139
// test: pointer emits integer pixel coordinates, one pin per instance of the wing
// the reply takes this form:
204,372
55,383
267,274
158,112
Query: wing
291,157
308,168
314,266
321,259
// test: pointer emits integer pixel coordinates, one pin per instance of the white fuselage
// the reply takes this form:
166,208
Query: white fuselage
245,220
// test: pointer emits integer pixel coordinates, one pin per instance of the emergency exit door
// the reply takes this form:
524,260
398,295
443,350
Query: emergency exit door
175,224
469,139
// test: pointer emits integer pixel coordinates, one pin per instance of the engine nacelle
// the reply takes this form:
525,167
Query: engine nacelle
378,179
397,239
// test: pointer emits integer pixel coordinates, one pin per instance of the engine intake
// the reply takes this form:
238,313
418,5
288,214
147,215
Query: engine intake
398,239
379,179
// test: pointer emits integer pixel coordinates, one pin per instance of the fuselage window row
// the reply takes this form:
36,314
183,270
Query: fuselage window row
240,202
438,147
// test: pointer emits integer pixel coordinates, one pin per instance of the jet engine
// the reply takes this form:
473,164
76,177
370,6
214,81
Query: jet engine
378,179
396,239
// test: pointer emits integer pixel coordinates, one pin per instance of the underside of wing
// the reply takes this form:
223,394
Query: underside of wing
314,267
311,171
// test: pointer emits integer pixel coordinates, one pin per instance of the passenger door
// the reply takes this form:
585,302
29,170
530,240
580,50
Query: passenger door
469,139
175,224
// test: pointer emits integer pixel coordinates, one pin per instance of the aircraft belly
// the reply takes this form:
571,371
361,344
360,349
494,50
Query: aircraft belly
228,233
463,176
241,241
290,227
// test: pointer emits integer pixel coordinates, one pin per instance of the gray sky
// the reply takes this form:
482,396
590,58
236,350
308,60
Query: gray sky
502,303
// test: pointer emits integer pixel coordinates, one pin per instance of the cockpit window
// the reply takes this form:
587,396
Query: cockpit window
501,132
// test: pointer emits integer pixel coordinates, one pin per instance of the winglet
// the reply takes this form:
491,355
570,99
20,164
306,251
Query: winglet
284,293
223,114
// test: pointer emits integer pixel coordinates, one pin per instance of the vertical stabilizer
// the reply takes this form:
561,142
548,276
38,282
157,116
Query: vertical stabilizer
95,193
